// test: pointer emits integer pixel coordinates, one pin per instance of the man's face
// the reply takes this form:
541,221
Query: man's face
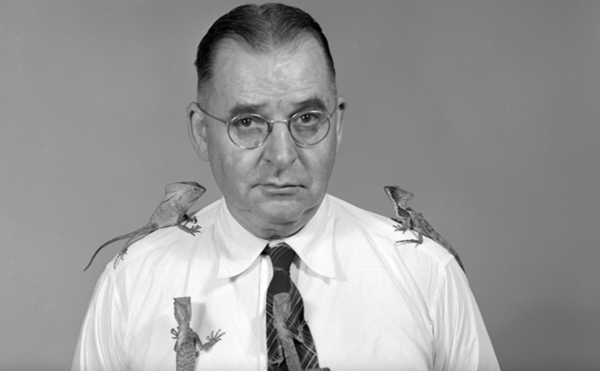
272,190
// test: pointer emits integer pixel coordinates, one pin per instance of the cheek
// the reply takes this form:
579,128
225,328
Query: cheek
326,171
220,158
231,169
322,167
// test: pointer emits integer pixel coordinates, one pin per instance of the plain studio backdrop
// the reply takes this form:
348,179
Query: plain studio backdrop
489,112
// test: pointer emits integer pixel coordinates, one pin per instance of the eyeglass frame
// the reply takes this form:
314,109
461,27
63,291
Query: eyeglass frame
270,124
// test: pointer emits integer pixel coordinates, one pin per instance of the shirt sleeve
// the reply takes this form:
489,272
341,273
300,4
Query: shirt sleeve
100,345
461,341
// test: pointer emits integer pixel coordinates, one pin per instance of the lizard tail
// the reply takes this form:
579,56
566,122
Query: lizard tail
128,235
103,245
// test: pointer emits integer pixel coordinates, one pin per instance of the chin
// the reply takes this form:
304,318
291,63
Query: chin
286,212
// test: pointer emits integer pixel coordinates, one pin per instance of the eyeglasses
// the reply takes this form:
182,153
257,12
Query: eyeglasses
251,130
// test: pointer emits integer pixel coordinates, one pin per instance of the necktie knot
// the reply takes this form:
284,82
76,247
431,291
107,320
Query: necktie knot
281,256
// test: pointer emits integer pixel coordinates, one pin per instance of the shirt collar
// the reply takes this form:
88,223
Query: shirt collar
238,248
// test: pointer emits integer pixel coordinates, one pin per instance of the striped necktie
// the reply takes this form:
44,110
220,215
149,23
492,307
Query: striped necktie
289,341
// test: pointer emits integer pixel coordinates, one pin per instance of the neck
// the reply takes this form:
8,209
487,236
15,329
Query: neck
273,230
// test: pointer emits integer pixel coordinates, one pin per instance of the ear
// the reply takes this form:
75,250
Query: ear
339,120
197,130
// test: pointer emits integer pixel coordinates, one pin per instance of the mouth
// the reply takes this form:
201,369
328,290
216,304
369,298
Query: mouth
280,189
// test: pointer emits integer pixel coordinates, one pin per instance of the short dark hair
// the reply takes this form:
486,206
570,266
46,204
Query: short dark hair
259,29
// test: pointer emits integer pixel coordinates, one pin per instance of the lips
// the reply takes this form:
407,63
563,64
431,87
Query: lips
280,188
275,185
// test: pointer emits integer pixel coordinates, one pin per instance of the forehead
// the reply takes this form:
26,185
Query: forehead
275,78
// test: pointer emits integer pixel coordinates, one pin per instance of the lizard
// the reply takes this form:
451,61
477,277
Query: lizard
172,211
410,219
281,312
188,344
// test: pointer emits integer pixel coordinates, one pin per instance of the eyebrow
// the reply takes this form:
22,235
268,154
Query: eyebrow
311,103
241,108
315,103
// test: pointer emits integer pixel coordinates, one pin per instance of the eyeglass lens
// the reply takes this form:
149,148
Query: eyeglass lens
251,131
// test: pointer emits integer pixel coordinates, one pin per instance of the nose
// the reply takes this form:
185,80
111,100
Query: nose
280,148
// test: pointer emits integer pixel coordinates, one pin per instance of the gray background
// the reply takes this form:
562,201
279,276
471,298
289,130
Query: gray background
487,111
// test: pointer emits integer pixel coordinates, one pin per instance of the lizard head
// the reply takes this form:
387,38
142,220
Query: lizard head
397,194
183,309
188,192
399,198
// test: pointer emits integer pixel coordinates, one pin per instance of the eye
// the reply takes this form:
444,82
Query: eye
247,122
308,119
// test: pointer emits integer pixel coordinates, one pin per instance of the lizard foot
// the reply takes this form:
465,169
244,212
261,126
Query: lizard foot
402,225
192,230
120,256
402,242
213,338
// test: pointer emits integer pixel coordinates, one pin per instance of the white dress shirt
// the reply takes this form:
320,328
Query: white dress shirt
371,304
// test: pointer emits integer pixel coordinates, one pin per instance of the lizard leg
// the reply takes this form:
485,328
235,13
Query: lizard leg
175,334
420,238
417,241
402,242
188,219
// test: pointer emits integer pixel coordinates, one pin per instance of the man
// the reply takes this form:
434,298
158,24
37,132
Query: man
269,121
